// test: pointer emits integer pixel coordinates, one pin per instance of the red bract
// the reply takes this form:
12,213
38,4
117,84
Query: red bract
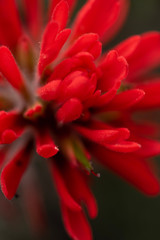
73,102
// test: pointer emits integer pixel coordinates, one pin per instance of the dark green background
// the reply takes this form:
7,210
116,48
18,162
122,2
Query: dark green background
124,213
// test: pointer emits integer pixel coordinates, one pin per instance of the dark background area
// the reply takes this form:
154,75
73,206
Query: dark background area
124,213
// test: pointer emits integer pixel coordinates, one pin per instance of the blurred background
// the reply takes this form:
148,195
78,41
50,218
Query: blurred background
124,213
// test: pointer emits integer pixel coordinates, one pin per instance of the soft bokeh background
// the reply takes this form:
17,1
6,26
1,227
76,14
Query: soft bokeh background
124,213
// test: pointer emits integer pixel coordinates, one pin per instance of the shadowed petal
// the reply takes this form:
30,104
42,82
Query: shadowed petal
132,168
117,24
76,224
62,189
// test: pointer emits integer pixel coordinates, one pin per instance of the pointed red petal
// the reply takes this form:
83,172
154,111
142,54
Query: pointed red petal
126,100
124,146
13,172
71,4
60,14
76,224
10,70
51,48
99,136
97,16
124,133
117,24
49,36
127,47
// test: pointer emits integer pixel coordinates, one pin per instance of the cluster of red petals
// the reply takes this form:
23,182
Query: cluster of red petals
72,102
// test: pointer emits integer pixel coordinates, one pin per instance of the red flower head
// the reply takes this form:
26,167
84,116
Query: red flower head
73,103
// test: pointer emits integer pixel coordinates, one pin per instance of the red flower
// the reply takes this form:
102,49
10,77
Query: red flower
73,102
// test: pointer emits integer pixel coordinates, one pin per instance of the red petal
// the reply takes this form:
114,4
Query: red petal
49,36
7,119
50,49
60,14
76,224
33,10
124,146
152,96
150,148
62,190
81,60
34,111
113,139
86,43
126,99
8,136
48,39
10,70
70,111
45,146
117,24
132,168
75,181
10,26
143,128
64,68
77,84
127,47
146,56
49,91
97,16
113,69
10,128
124,133
13,172
71,4
99,136
92,101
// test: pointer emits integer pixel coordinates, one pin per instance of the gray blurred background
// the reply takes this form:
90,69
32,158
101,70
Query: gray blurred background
124,213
